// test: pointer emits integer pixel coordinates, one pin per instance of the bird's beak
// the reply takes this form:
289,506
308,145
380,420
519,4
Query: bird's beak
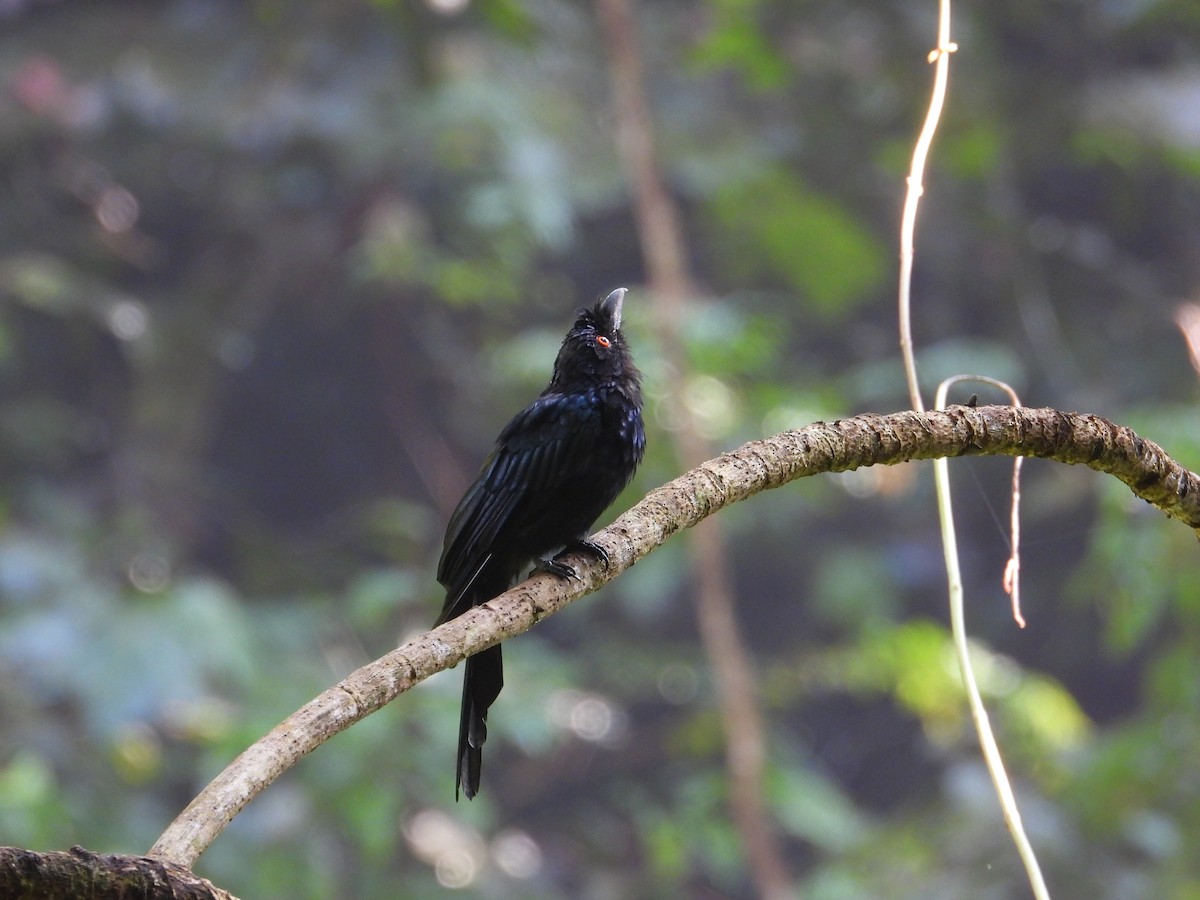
612,307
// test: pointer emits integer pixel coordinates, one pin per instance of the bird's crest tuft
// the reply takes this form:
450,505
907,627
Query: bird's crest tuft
605,316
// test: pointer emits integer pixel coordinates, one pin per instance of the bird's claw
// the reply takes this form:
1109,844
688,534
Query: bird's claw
554,567
566,571
583,545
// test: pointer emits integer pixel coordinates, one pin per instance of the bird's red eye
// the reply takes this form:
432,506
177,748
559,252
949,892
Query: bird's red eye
603,341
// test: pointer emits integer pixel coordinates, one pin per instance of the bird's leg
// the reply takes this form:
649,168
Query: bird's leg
583,545
563,570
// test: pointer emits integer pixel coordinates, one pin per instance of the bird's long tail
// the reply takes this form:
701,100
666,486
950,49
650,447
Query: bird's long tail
481,686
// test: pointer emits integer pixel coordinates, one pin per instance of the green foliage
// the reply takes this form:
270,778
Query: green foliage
974,152
815,809
723,339
737,41
1140,568
852,590
32,804
914,663
777,226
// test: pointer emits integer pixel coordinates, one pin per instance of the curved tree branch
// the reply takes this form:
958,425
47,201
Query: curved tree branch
78,874
865,440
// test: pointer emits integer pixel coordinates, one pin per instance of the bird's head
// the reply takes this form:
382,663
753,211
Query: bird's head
594,350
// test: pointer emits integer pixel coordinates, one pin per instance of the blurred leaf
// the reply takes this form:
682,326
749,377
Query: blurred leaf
1133,577
32,803
737,42
1173,683
723,339
915,661
375,596
973,152
854,590
509,18
815,245
137,754
667,848
25,782
43,282
1048,713
815,809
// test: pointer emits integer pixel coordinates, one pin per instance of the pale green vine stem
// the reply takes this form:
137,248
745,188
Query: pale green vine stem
940,57
987,741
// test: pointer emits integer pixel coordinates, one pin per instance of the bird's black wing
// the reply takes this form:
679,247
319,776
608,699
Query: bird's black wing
540,449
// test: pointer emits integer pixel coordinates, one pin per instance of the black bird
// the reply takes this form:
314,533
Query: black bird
556,466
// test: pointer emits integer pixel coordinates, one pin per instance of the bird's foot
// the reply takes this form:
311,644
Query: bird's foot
554,567
563,570
583,545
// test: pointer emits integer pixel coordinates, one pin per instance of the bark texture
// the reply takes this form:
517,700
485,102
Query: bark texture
79,874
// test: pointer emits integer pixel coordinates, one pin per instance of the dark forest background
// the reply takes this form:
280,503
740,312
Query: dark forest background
272,276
